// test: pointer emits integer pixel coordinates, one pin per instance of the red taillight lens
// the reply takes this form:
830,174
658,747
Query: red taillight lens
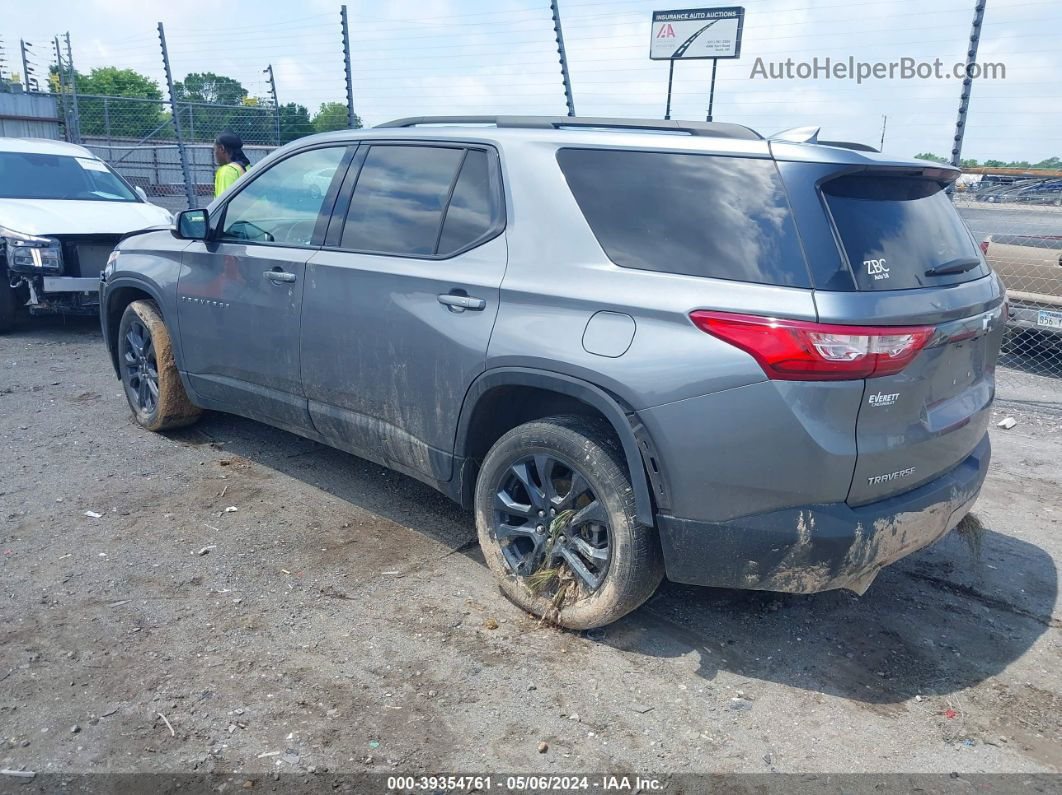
984,247
798,350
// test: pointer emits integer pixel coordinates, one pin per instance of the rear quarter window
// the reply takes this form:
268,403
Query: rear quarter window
700,215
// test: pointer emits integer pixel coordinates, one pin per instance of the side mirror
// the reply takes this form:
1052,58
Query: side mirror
140,192
192,225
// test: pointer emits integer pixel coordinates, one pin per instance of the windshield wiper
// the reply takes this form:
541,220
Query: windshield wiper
957,265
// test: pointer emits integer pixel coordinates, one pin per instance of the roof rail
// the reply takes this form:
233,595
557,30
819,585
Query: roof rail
708,129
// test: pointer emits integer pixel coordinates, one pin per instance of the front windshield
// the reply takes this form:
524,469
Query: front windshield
28,175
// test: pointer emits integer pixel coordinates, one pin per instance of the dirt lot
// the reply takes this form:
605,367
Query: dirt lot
341,619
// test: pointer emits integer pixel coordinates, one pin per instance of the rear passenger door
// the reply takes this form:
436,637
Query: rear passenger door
399,305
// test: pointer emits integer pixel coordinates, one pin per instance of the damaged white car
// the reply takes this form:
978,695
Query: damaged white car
62,211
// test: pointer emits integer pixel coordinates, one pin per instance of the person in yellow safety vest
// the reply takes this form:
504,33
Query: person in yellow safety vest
232,162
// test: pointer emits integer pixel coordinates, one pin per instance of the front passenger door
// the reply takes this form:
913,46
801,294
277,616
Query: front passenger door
240,293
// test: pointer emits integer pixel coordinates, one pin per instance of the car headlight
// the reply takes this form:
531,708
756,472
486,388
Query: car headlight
31,254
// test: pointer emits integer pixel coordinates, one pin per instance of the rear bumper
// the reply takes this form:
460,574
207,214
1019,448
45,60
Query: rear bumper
821,547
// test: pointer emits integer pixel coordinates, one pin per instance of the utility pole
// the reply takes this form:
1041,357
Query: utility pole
276,103
182,153
73,89
967,82
346,67
565,76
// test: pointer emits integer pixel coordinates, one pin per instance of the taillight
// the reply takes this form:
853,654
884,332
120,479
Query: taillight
798,350
984,247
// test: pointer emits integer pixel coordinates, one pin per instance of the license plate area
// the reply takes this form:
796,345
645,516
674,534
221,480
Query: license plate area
1048,319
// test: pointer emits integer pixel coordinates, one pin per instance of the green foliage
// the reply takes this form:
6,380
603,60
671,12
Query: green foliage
294,122
1049,163
113,116
333,116
930,156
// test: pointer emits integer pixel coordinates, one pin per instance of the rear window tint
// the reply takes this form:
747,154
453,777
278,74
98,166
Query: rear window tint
896,229
700,215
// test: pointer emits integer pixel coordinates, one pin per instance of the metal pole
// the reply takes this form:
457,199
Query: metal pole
107,124
711,91
73,89
346,66
189,186
25,65
884,121
967,82
670,78
62,88
566,78
276,102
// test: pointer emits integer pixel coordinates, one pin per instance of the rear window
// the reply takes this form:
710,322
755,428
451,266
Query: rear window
899,231
700,215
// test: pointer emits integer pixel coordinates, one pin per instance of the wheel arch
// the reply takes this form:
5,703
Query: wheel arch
489,410
119,294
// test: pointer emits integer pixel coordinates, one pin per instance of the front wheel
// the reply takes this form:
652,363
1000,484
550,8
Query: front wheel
556,520
149,374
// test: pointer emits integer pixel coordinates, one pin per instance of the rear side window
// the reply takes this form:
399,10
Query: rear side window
468,216
398,202
700,215
901,232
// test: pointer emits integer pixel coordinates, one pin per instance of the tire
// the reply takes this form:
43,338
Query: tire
150,379
8,305
533,562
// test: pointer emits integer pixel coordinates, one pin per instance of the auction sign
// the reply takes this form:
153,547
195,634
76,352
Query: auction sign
697,33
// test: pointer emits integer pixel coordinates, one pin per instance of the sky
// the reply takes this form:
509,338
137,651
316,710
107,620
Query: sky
444,57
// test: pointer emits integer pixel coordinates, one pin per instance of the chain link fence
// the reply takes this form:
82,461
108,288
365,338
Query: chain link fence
139,140
1018,224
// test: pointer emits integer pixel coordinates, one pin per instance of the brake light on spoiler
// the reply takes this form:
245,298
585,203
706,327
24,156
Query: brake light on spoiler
799,350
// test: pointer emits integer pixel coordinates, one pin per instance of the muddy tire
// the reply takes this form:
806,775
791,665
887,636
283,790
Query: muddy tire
8,305
556,520
150,379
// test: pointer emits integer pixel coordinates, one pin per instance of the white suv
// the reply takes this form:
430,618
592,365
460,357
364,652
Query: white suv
62,211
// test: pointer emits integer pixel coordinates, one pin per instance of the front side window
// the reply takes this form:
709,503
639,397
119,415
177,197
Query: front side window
29,175
283,203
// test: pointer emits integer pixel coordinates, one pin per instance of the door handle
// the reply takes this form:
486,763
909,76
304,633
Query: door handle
279,276
459,303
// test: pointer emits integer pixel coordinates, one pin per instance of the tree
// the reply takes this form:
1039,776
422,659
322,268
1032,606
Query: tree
333,116
930,156
1051,162
218,103
210,87
115,116
294,122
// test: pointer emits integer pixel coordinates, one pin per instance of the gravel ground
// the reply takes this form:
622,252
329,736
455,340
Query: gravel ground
249,602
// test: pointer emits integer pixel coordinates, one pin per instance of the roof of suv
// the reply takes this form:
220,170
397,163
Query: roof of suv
719,137
43,146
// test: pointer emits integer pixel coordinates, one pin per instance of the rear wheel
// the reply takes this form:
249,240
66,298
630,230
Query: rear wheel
149,375
556,520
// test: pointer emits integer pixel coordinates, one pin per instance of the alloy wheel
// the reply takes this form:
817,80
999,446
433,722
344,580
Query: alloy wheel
141,367
550,524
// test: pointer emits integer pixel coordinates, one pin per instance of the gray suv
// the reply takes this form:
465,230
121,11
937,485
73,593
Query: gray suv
632,347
